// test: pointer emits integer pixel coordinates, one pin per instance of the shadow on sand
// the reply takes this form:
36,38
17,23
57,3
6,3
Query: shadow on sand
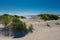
19,35
5,31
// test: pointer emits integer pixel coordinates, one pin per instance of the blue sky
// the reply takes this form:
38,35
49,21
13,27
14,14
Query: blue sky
29,7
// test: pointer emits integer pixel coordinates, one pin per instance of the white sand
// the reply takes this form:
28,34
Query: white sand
40,32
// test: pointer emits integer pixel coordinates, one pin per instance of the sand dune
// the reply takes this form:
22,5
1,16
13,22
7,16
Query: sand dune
41,31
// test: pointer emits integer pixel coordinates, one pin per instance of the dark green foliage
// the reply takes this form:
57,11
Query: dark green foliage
18,25
5,15
49,16
16,16
22,17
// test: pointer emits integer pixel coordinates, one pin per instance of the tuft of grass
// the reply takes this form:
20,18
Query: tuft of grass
30,28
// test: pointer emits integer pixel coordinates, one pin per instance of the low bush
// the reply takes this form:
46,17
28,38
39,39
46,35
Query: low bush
48,16
18,25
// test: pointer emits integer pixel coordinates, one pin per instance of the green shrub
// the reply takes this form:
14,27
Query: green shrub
48,16
18,25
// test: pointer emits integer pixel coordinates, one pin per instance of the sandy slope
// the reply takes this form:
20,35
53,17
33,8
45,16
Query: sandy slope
40,32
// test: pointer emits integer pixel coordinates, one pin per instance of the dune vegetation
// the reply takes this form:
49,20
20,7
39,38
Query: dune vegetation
18,25
8,17
13,25
13,20
48,17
